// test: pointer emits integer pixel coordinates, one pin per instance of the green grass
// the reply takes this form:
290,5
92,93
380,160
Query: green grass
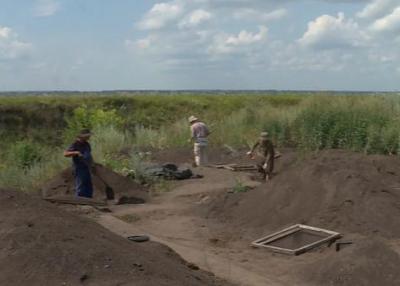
125,122
46,117
240,187
31,179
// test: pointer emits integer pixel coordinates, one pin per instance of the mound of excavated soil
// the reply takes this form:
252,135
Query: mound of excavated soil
43,245
123,187
369,262
338,190
354,194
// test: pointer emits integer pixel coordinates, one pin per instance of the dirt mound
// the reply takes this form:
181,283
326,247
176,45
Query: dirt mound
354,194
43,245
338,190
124,188
370,262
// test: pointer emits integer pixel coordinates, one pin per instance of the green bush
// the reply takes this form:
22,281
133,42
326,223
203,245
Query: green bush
346,123
24,154
239,187
110,146
91,118
32,178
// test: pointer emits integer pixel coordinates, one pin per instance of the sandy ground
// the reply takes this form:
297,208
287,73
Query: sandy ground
170,219
212,228
351,193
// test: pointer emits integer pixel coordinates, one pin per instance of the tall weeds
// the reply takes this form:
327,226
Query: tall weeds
368,124
359,123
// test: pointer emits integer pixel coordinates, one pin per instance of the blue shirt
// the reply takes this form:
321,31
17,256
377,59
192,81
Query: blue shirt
84,148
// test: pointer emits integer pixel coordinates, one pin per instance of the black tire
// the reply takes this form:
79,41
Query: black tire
139,238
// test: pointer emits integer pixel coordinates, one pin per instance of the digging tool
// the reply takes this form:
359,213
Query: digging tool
109,190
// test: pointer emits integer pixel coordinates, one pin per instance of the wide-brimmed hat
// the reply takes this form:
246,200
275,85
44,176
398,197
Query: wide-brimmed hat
85,133
264,134
192,119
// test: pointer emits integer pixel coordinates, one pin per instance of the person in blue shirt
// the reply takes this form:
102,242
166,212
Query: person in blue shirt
80,152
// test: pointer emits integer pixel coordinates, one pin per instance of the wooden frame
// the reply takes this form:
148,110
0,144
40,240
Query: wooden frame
265,241
75,201
236,167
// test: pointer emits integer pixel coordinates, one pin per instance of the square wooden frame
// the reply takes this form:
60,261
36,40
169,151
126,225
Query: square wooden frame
264,241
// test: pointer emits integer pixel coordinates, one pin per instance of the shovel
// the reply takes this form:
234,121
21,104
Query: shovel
109,190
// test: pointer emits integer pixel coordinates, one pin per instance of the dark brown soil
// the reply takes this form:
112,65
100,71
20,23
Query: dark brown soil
354,194
338,190
369,262
123,187
43,245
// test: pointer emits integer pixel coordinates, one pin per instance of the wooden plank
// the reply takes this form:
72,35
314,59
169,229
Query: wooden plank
315,244
246,169
279,236
317,229
75,201
225,166
274,236
280,249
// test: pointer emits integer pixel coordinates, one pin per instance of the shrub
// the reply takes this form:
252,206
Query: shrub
84,117
31,178
24,154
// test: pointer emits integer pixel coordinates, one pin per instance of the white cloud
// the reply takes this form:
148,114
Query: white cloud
10,46
160,15
247,38
378,8
195,18
225,44
45,8
198,37
144,43
141,44
329,32
4,32
389,23
253,14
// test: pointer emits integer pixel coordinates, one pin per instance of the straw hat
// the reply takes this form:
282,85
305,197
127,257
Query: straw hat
84,133
192,119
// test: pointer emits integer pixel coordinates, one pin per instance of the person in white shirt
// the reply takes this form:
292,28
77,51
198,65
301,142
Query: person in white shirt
200,133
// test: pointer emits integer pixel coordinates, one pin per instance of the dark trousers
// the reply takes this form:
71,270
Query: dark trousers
269,168
83,182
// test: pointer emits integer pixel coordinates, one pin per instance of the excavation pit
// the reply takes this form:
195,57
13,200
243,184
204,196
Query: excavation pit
296,239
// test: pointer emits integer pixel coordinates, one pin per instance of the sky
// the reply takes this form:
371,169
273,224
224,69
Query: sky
200,44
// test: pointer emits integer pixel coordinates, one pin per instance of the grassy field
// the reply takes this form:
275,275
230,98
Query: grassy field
35,127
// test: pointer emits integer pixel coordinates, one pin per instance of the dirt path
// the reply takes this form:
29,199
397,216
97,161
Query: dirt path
170,219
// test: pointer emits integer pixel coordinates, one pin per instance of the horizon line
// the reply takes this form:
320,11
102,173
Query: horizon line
199,90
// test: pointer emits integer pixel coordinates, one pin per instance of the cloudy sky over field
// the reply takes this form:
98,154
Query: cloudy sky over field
199,44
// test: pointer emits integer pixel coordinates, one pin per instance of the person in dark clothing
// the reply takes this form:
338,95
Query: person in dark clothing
266,151
80,152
